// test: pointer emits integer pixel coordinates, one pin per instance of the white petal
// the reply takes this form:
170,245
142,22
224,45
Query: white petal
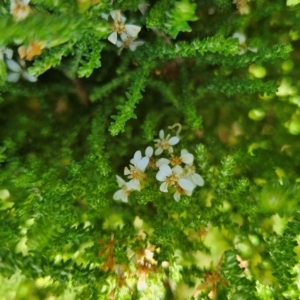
160,176
26,2
173,140
188,193
134,184
124,37
126,171
187,158
186,184
177,170
177,196
136,44
131,185
241,37
170,149
104,16
13,77
113,37
166,170
159,151
120,181
149,151
116,15
137,157
164,187
8,52
118,195
184,151
13,65
162,161
132,30
143,163
132,47
197,179
161,134
29,77
119,44
124,198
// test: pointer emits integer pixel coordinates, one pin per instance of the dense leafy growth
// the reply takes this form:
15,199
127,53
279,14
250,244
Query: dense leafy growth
195,106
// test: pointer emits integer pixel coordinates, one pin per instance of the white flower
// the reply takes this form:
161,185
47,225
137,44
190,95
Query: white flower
242,6
119,27
126,189
185,157
173,177
17,71
5,51
128,42
190,174
144,264
165,143
136,169
19,9
242,41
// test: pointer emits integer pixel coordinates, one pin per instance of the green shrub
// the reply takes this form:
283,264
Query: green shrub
152,157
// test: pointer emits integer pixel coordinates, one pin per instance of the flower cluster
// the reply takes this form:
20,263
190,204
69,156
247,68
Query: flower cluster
16,70
176,173
144,264
140,265
128,33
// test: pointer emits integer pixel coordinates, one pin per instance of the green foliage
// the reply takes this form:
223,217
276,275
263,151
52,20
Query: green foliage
219,219
182,12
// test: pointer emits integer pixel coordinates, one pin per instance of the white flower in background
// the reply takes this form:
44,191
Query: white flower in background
173,178
144,264
242,6
119,27
145,256
242,41
240,36
128,42
190,173
185,157
17,71
19,9
165,143
136,170
5,51
124,192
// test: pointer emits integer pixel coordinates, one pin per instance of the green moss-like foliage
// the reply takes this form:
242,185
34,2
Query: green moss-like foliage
225,74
